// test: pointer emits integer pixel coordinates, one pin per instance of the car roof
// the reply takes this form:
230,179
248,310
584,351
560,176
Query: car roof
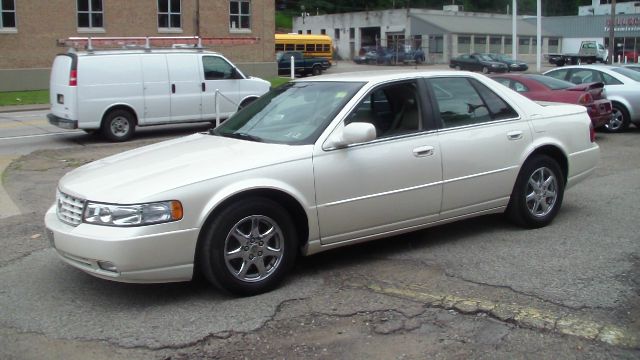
386,75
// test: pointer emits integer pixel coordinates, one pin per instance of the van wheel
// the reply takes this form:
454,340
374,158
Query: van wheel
249,247
118,125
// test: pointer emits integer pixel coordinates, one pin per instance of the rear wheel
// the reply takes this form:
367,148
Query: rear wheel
619,121
537,194
485,70
458,67
118,125
316,70
249,247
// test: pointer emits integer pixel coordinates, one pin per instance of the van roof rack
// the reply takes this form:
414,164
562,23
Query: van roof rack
151,42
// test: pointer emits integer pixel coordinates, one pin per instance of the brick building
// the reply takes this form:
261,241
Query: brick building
30,29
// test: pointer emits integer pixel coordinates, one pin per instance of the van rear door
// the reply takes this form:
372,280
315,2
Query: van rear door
63,87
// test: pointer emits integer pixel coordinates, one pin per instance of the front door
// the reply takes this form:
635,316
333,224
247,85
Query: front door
221,86
389,184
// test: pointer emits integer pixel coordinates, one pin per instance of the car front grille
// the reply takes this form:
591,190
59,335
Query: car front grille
69,209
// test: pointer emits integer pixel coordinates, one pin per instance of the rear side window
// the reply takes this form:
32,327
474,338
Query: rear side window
558,74
462,101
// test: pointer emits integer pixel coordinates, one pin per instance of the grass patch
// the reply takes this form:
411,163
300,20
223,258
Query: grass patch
24,97
278,81
284,21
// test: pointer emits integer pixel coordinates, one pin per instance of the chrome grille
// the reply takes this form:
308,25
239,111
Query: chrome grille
69,209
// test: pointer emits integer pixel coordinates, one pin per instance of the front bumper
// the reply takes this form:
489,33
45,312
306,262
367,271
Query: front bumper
144,254
62,122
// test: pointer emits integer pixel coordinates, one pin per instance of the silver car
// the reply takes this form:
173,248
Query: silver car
621,84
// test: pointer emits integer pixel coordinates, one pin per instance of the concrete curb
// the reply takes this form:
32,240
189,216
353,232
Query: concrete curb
30,107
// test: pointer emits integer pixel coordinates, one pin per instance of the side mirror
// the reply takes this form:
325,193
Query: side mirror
353,133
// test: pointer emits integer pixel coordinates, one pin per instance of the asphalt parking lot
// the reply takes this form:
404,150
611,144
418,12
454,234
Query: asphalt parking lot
481,288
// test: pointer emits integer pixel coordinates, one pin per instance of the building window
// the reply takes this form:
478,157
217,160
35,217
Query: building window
336,34
495,44
523,47
464,44
352,33
240,15
436,44
323,31
169,14
7,15
90,14
308,32
300,32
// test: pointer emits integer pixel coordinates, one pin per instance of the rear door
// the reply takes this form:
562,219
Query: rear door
185,86
63,86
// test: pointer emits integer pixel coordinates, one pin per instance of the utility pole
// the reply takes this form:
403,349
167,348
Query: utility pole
612,36
538,35
198,18
514,32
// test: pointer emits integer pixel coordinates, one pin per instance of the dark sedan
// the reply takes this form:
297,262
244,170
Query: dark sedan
545,88
477,62
513,65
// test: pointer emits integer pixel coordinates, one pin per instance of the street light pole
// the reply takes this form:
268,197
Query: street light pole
514,33
538,35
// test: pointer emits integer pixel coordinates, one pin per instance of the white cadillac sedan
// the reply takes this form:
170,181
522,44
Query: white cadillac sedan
317,164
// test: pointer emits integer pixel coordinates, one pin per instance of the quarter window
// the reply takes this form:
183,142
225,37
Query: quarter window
169,14
463,102
7,14
90,14
240,15
609,80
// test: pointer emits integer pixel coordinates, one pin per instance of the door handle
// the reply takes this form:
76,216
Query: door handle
514,135
203,87
423,151
173,88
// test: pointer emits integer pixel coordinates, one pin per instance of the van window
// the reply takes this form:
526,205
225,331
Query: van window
216,68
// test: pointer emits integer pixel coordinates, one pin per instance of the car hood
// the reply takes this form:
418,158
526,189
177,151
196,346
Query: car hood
137,175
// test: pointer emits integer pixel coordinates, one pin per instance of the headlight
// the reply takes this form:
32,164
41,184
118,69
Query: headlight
494,65
132,215
514,65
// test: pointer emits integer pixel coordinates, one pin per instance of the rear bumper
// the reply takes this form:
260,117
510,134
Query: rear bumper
62,122
600,112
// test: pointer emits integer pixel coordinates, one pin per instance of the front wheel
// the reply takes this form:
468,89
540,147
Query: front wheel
537,194
485,70
249,247
619,121
458,67
316,70
118,125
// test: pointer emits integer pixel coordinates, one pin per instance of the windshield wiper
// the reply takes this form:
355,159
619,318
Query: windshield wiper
242,136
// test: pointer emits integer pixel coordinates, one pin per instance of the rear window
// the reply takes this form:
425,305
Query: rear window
551,83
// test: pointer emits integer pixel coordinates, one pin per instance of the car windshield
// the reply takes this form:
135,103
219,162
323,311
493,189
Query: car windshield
484,57
501,57
551,83
634,75
294,114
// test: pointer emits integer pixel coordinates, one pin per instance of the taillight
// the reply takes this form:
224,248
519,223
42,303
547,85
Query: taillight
73,78
592,133
585,99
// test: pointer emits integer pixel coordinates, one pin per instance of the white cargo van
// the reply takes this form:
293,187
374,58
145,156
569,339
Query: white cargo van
113,91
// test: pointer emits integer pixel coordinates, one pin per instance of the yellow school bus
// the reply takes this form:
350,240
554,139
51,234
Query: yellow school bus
310,45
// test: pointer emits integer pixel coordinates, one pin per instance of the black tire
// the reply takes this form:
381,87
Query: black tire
458,67
118,125
222,266
531,206
316,70
619,121
485,70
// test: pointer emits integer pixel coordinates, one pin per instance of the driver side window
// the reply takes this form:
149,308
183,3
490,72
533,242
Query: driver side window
216,68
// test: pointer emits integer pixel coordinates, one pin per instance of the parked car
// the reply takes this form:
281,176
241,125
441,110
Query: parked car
512,65
621,85
546,88
306,168
400,56
303,66
368,56
114,91
477,62
634,67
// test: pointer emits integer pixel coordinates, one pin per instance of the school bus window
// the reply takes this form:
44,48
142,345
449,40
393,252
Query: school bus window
326,47
311,47
289,47
279,47
299,47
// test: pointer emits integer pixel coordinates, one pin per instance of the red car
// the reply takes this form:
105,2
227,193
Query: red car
546,88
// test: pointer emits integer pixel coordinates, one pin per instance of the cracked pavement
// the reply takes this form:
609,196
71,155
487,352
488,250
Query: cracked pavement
479,288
